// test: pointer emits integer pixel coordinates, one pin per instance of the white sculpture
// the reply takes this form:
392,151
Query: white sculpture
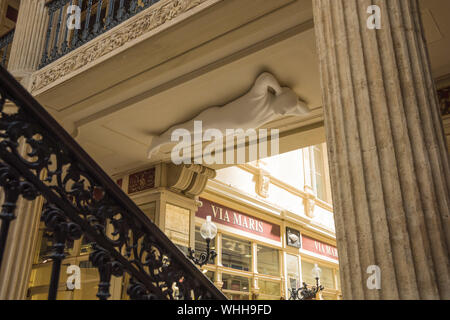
265,102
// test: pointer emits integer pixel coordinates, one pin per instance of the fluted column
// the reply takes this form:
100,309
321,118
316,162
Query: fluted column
388,159
29,38
21,243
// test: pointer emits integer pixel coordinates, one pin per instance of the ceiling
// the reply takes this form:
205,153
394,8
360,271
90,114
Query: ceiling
8,15
115,124
435,17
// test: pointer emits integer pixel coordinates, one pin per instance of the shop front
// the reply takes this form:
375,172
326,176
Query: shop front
259,258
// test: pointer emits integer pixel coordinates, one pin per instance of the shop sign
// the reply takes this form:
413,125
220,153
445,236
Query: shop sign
319,247
238,220
293,238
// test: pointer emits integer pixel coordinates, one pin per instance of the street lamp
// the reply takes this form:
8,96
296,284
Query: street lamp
305,293
208,231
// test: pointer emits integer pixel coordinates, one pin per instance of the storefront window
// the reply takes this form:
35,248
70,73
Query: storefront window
269,288
200,244
318,178
177,226
326,278
77,254
236,253
235,287
268,261
89,279
293,274
86,246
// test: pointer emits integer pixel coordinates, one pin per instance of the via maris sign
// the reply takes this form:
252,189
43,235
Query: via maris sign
319,247
238,220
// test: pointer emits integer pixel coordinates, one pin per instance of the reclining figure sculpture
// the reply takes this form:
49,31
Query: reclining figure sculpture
265,102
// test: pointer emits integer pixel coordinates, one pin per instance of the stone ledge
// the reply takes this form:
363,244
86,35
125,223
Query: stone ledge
114,41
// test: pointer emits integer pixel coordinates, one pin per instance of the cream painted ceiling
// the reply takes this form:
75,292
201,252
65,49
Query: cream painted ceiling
115,124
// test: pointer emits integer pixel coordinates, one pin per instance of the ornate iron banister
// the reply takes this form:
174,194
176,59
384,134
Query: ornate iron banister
96,17
5,46
39,158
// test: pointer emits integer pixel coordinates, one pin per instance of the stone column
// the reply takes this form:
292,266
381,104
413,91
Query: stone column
388,158
29,38
21,244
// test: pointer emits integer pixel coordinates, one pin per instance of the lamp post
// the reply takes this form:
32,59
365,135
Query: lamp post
208,231
305,293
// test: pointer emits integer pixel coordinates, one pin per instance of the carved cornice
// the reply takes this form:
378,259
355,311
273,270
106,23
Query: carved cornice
132,29
190,180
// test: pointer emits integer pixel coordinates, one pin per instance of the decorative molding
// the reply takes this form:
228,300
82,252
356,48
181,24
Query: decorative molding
293,238
190,180
141,181
309,201
263,183
285,186
130,30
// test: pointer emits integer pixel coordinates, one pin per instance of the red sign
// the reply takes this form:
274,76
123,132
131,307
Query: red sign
238,220
319,247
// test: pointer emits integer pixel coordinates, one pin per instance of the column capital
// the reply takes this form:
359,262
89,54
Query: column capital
29,37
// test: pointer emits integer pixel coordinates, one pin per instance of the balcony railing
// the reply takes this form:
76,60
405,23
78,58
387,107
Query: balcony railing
39,159
95,17
5,48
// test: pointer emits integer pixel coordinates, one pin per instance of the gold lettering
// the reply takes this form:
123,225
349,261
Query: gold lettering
237,219
244,223
227,217
214,209
260,225
252,224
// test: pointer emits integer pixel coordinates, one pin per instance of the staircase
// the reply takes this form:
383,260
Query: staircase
38,158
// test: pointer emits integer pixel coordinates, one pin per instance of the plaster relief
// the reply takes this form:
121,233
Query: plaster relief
265,102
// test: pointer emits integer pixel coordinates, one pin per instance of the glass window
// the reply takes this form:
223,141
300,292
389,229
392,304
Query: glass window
293,274
270,288
268,261
89,280
318,172
86,246
235,283
326,278
236,253
177,226
200,243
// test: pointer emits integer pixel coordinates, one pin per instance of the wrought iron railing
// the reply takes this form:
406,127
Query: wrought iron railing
5,48
96,17
39,159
